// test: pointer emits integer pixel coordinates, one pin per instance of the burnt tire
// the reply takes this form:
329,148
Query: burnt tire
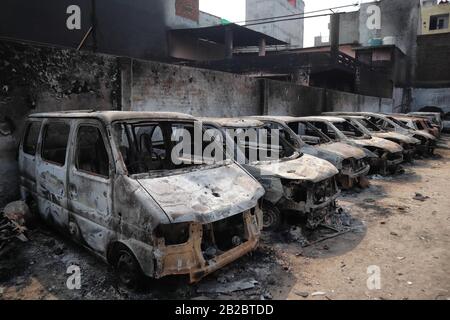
272,219
127,269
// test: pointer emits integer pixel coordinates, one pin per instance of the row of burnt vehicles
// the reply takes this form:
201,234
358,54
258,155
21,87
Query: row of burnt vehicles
116,184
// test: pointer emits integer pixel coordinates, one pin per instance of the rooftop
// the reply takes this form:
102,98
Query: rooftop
242,36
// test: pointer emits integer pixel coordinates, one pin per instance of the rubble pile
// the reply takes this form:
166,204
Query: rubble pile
13,220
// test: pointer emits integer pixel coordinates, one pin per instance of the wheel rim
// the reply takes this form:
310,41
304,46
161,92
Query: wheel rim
270,218
125,268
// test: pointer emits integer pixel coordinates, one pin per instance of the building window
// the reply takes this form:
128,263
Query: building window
439,22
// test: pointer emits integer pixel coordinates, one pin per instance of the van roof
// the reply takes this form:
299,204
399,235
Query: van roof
322,118
274,118
111,116
233,122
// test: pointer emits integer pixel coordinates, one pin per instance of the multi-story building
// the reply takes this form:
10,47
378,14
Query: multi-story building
432,82
435,17
287,31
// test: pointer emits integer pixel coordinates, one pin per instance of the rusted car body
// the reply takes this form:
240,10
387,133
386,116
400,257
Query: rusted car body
407,143
388,123
434,117
107,179
428,141
346,158
417,123
356,165
295,182
388,155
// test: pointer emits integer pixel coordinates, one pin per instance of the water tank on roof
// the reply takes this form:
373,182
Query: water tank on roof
389,40
375,42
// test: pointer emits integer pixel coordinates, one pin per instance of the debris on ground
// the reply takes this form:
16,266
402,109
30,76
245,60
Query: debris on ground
318,293
379,177
227,288
420,197
302,294
13,221
18,212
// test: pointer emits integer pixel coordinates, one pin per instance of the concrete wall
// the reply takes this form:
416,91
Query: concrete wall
163,87
36,79
342,101
439,97
349,27
288,31
290,99
283,98
433,68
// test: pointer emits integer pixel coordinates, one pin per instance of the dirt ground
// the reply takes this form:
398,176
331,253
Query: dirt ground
405,239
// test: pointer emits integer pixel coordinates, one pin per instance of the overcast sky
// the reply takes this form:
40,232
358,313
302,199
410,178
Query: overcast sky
234,10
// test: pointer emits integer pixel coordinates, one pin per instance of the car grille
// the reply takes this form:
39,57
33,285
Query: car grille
360,165
324,190
395,156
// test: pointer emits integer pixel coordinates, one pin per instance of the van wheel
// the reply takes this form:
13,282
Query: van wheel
271,217
127,269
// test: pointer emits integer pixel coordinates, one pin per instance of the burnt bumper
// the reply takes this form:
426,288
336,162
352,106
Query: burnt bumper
408,154
353,174
319,201
426,148
191,258
388,161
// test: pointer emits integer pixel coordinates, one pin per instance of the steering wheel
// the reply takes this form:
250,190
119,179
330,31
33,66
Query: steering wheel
148,143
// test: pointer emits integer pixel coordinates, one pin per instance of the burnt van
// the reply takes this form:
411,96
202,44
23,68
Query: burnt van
110,182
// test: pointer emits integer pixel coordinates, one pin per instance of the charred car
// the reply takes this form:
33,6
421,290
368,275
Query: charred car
428,141
356,165
294,182
349,160
418,123
111,181
388,154
434,117
388,123
407,143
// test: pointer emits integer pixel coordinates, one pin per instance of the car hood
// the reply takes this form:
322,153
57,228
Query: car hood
205,195
332,157
397,136
306,168
344,150
413,132
379,143
425,134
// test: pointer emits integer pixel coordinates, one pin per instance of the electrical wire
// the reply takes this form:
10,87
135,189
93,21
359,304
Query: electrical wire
356,4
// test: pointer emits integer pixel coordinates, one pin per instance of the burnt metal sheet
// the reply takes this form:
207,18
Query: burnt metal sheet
305,168
379,143
344,150
204,196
